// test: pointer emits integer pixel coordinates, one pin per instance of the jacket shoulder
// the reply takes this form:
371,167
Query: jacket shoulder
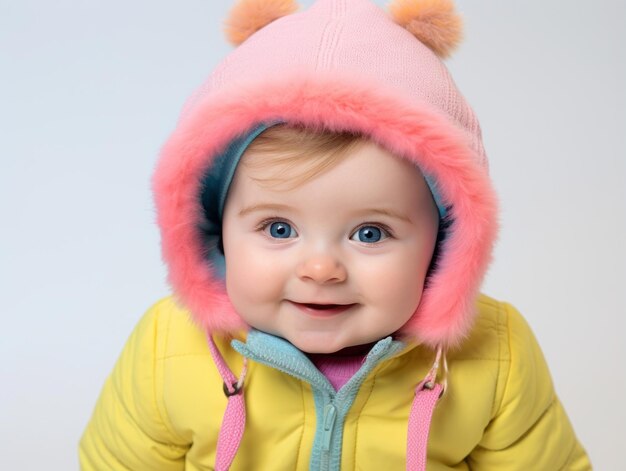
177,333
498,329
487,340
187,380
129,428
526,412
501,336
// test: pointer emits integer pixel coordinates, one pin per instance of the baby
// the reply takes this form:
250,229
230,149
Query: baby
322,245
327,219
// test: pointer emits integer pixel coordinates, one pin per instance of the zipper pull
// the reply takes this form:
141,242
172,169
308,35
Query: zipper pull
330,415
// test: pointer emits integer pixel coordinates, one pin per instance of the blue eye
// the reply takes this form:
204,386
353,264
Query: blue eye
281,230
369,234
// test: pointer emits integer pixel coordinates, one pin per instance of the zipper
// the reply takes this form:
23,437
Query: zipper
330,416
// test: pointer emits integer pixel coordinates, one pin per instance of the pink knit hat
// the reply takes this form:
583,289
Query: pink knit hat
342,65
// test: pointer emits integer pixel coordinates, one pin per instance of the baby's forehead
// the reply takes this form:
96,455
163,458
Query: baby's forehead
283,159
366,180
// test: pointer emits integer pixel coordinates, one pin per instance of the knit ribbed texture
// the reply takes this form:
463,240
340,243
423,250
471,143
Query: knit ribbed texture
349,36
337,369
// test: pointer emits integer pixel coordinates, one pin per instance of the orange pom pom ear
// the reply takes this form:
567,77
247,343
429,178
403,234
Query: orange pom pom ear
434,22
249,16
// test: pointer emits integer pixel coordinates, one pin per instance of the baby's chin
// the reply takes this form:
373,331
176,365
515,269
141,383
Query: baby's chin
326,343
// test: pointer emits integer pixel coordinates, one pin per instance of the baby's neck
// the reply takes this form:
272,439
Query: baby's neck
340,366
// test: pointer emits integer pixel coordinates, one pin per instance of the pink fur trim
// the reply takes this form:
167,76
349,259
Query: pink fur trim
411,129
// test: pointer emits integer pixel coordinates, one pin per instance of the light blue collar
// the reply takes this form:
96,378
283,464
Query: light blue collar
278,353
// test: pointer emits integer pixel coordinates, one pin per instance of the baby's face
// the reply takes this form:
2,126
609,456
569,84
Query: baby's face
336,262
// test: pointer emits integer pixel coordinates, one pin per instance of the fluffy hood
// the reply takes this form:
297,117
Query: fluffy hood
340,65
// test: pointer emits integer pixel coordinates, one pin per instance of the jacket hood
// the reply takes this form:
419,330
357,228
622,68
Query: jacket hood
342,65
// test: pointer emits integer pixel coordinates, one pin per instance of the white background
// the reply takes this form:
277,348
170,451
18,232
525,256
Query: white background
91,89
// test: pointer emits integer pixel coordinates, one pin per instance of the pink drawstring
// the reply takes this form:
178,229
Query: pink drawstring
234,421
419,425
427,393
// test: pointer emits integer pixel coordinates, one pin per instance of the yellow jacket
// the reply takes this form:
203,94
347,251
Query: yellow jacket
162,406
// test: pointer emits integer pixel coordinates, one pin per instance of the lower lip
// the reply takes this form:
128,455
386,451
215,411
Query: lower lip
333,311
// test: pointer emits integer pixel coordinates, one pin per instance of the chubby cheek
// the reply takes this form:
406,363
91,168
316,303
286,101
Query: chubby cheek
253,281
402,295
396,287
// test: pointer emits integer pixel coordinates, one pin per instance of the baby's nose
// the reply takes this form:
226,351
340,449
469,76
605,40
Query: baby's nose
322,268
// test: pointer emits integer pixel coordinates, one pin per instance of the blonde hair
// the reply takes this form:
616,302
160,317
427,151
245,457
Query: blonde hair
299,154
